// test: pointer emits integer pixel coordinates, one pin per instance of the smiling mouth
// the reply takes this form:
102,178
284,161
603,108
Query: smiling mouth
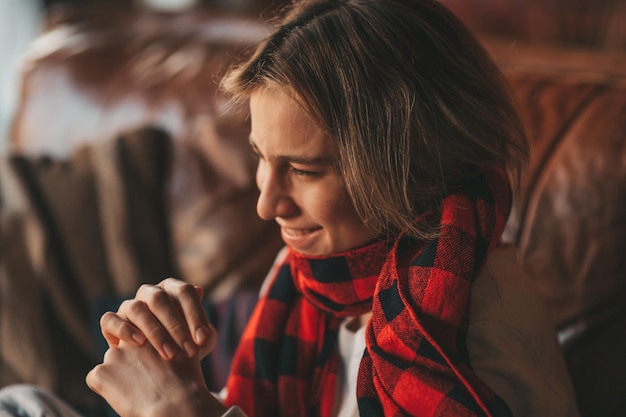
299,232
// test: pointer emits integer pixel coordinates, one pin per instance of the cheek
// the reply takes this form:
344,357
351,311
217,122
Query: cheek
346,213
317,203
340,211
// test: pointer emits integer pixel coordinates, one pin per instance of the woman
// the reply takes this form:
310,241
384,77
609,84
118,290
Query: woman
383,133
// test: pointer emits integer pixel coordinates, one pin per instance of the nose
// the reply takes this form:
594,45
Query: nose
274,198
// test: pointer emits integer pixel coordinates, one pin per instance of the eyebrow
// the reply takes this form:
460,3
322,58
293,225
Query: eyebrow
319,160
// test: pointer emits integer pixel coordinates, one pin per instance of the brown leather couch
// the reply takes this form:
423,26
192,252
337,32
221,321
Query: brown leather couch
569,223
565,62
126,167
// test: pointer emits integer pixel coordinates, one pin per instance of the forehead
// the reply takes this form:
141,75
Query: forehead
280,125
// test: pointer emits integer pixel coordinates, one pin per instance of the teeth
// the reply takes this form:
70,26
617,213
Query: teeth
298,232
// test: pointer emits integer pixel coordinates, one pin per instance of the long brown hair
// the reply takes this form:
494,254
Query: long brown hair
413,101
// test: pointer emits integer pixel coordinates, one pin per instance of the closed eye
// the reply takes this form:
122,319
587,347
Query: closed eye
304,173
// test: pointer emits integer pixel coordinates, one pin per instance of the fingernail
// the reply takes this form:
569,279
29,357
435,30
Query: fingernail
139,338
202,335
190,348
170,352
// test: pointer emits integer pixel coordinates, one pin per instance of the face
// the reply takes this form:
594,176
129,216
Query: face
300,188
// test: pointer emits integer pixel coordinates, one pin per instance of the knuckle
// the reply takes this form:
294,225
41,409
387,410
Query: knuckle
124,306
124,330
107,318
93,379
157,298
135,308
178,328
169,281
185,291
144,289
156,332
174,285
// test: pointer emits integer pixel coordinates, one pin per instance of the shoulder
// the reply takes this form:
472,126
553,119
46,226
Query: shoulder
512,343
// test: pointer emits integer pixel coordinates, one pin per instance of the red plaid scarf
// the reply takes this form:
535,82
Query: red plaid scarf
416,362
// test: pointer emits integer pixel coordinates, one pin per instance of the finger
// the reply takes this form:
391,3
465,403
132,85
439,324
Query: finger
200,292
143,317
189,299
115,328
168,310
209,344
98,376
93,380
205,343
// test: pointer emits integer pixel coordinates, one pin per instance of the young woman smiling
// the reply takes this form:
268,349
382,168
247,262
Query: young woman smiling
301,188
386,140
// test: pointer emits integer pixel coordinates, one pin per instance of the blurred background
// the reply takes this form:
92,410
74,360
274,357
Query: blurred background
22,20
121,163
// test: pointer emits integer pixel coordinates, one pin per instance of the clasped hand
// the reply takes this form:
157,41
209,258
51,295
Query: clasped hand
156,341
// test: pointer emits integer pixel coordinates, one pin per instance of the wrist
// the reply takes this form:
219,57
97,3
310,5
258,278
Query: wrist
197,402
